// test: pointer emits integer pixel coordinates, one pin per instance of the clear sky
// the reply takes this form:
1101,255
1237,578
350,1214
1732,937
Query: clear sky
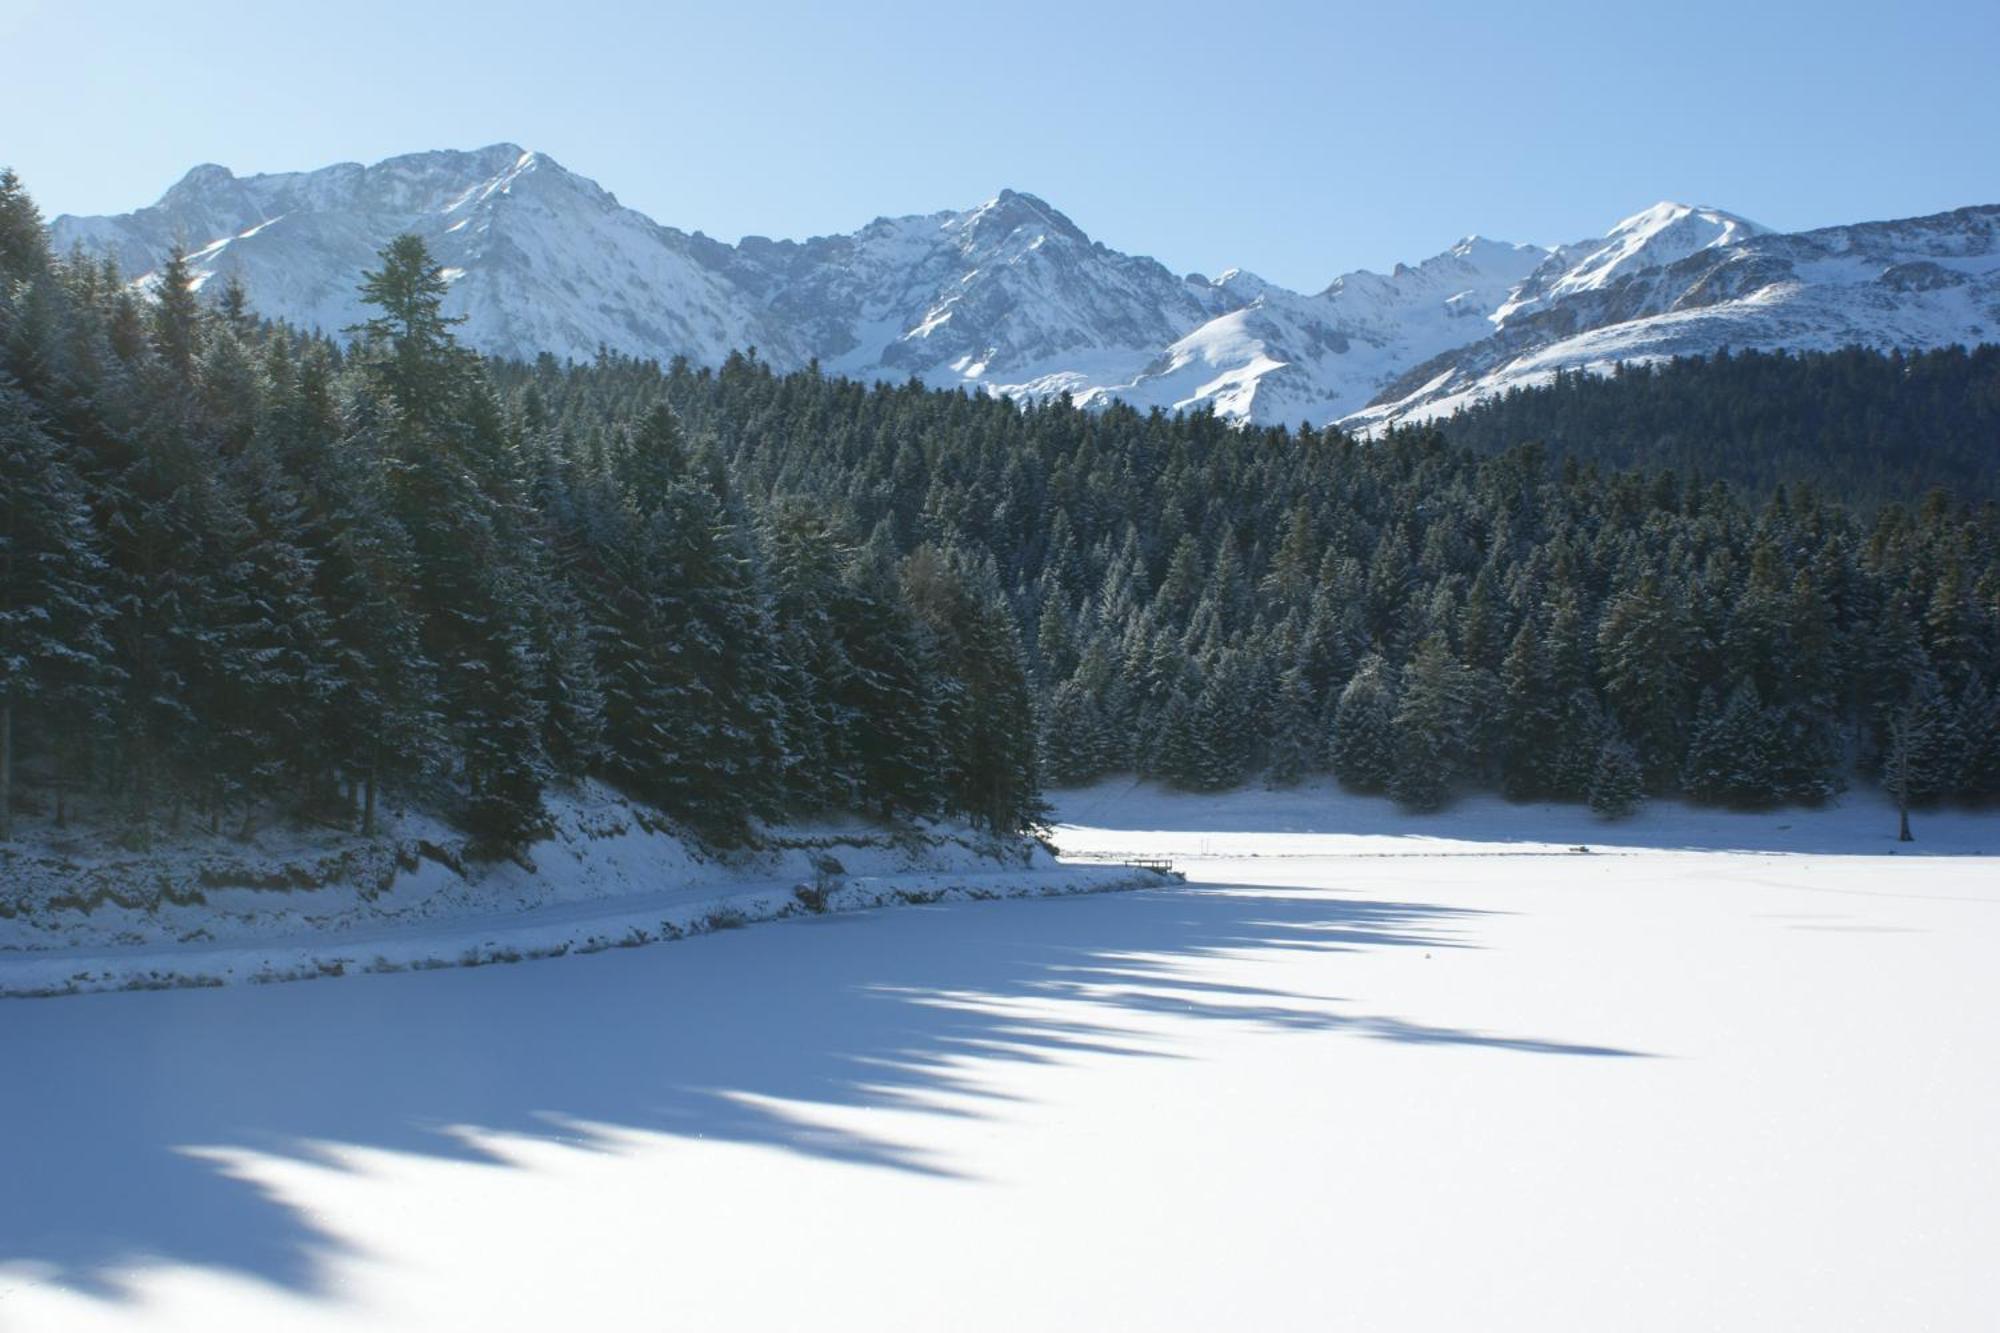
1294,139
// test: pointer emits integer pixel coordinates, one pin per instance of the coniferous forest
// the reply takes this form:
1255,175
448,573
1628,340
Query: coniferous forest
248,572
1868,427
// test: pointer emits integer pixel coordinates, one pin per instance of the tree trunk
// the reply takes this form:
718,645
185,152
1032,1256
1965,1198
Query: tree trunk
6,770
1899,768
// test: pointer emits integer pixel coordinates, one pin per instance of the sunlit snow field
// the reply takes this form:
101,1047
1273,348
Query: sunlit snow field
1363,1071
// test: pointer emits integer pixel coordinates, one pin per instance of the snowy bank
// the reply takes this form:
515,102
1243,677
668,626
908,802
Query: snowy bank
76,915
1118,817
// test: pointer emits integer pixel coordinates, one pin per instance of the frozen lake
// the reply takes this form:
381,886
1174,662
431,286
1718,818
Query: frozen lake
1360,1072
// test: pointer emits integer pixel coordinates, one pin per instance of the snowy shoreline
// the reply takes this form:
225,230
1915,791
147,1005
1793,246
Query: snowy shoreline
610,876
547,933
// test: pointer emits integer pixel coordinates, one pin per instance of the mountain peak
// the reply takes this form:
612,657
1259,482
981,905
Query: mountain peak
1486,252
207,173
1011,210
1729,227
200,180
1653,238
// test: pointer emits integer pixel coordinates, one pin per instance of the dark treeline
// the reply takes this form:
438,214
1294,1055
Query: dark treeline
1202,604
250,570
244,570
1869,427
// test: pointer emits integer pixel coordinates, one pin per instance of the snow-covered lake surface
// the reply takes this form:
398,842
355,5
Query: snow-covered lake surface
1362,1071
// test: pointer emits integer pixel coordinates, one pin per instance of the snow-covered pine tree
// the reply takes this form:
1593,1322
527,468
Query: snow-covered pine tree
1362,750
24,240
1072,740
456,490
889,729
1528,727
1732,755
1294,747
55,660
1642,660
1979,724
1617,787
1433,725
1174,753
1932,729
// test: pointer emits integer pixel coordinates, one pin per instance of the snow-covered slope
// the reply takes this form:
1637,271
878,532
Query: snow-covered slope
540,259
1721,283
80,914
1012,297
1277,356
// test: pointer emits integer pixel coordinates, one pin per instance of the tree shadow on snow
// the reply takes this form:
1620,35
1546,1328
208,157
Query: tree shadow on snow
116,1111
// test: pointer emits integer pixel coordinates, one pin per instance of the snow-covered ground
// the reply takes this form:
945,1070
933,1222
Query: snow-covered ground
78,913
1362,1071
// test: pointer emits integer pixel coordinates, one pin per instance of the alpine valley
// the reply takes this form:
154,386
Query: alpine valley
1011,297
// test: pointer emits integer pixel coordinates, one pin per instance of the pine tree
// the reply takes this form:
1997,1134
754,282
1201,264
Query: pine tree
1220,729
1528,723
1176,751
1731,759
457,493
1979,725
1072,736
571,696
1363,748
1432,726
1642,656
1293,732
177,316
55,659
1932,743
24,240
1617,787
409,350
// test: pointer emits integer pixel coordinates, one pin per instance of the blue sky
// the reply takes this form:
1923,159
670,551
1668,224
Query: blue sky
1298,140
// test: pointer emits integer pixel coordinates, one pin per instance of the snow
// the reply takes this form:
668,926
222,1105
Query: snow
1363,1071
1011,297
81,916
1694,282
1664,234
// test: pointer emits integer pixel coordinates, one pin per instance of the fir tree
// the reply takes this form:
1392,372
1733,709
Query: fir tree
1617,787
1432,725
55,659
1363,748
1732,757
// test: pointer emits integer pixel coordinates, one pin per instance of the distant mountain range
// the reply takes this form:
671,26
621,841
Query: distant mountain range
1011,297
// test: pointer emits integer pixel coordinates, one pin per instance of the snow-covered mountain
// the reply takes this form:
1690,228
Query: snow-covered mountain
1012,297
1675,282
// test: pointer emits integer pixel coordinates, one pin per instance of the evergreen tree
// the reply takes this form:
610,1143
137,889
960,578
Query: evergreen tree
1433,725
1528,721
1617,787
1642,655
24,241
1732,757
1293,731
55,659
1363,749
